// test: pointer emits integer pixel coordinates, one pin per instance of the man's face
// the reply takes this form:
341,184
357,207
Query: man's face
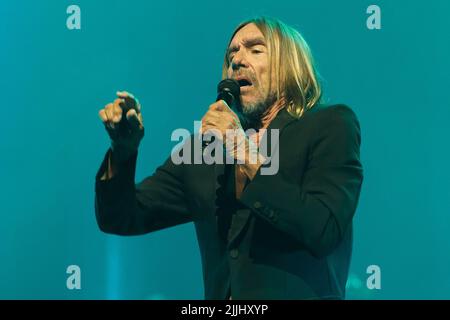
249,64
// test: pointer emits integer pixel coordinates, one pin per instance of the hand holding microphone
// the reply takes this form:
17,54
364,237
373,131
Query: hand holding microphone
225,113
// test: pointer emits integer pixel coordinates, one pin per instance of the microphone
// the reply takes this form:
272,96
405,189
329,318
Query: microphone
229,90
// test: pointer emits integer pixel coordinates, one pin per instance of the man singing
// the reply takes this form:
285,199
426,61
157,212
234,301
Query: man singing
286,235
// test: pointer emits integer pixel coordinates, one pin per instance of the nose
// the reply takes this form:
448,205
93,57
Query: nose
239,61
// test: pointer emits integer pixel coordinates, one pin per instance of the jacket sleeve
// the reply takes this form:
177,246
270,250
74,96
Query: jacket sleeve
125,208
316,213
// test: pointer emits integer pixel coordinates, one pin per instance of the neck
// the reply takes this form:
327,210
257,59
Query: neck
271,113
263,121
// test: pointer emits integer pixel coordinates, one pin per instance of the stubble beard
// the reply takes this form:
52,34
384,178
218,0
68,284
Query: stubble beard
253,112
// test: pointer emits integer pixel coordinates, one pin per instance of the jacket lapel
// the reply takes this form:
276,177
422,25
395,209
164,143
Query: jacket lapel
224,198
241,219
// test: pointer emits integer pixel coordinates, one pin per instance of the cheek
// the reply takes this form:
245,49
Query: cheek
264,80
229,72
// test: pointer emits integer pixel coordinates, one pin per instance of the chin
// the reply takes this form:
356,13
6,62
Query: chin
255,109
253,112
250,105
249,109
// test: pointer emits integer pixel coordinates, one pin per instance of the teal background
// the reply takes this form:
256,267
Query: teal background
169,54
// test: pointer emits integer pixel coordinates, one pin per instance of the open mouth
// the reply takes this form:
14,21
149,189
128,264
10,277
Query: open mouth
244,83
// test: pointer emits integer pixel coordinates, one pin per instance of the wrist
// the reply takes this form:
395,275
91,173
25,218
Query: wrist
121,153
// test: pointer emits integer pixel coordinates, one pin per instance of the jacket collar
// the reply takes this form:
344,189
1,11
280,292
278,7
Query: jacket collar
282,119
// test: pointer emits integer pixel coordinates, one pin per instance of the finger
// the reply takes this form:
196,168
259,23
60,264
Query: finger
206,123
141,119
227,115
102,115
106,116
109,112
130,100
124,94
227,108
204,128
232,118
118,102
214,107
209,131
134,119
221,105
117,110
212,116
119,106
214,113
210,121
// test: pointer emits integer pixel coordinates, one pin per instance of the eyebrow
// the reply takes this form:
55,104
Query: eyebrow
248,43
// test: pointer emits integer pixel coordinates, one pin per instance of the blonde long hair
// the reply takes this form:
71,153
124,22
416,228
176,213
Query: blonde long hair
290,57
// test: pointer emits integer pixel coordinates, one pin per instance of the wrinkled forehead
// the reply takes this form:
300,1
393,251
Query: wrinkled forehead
248,33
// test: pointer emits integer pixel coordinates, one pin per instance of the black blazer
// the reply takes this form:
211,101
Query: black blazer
290,234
